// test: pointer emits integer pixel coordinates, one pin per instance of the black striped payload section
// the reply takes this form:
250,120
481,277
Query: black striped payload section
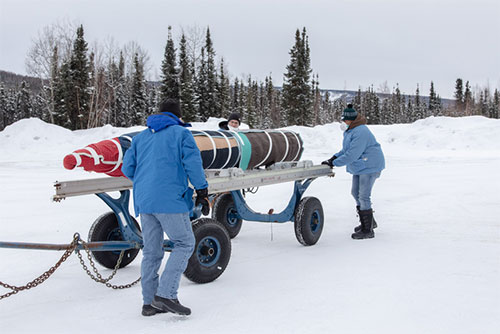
247,149
271,146
219,149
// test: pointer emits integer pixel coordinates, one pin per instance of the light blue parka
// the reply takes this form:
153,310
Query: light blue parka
361,153
159,162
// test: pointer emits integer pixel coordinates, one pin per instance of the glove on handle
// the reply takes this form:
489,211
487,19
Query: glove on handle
202,199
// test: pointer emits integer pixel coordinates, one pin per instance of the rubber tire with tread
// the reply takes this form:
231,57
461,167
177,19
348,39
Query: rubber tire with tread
195,271
101,231
303,217
222,205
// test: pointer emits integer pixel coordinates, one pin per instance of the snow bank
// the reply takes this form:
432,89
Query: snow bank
30,138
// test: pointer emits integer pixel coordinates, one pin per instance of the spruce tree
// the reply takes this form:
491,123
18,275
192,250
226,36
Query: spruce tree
152,101
112,83
211,78
235,106
242,100
496,104
386,115
371,106
419,110
138,106
271,115
223,93
410,110
316,101
24,107
357,102
3,107
169,74
468,100
122,95
459,96
251,117
79,103
202,94
63,97
297,92
327,109
434,102
186,81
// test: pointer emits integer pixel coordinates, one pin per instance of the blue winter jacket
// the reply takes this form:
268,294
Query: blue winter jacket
361,152
159,162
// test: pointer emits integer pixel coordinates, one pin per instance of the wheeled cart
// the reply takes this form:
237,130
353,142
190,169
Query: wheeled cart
117,230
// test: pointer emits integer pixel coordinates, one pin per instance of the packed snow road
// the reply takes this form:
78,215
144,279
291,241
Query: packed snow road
433,266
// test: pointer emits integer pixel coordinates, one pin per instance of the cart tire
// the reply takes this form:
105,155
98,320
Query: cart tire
309,221
105,228
211,253
225,212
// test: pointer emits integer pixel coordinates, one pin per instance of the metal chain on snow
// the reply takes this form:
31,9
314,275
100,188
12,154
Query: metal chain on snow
98,277
72,247
40,279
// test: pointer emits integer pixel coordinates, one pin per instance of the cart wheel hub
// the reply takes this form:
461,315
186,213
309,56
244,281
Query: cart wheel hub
208,251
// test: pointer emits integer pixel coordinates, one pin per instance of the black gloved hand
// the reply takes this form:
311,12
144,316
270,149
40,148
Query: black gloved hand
202,198
329,162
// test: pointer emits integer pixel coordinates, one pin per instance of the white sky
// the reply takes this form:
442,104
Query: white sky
353,43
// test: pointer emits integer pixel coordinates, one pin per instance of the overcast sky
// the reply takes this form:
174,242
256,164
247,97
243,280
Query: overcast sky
354,43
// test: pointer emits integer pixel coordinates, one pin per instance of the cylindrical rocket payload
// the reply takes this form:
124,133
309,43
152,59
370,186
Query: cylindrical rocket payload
220,149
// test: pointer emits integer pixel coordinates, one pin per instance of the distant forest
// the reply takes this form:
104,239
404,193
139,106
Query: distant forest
78,88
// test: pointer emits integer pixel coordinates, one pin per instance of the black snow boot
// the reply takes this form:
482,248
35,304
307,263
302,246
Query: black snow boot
170,305
366,218
358,228
148,310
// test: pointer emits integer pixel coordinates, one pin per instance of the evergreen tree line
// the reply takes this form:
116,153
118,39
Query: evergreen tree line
401,108
82,91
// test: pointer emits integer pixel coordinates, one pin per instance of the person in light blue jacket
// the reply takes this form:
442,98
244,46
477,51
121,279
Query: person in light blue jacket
160,161
364,159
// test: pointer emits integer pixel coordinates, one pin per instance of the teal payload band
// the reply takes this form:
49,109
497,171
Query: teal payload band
245,149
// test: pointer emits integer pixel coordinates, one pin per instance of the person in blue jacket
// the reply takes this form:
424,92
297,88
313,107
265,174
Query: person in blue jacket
159,163
364,159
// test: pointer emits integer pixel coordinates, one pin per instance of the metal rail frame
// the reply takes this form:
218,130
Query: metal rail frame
219,181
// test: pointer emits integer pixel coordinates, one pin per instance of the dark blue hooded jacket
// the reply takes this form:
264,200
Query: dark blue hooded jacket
160,161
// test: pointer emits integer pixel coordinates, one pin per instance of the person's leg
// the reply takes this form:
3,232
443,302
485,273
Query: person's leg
152,254
179,230
355,188
366,182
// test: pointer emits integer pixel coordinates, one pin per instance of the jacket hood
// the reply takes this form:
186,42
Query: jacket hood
360,120
162,121
223,125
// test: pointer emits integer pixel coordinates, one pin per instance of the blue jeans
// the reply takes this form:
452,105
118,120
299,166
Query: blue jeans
179,230
362,189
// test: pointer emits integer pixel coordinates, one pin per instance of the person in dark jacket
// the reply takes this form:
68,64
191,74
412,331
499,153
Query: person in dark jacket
160,161
364,159
233,122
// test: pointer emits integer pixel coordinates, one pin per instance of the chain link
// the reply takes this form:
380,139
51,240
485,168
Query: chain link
40,279
72,247
98,277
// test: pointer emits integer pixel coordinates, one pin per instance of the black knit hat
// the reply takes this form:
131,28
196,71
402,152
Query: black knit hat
349,113
234,116
172,106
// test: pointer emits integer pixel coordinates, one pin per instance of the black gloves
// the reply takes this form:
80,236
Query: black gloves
202,198
329,162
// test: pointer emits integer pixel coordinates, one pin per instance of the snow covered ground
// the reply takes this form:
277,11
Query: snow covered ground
433,267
